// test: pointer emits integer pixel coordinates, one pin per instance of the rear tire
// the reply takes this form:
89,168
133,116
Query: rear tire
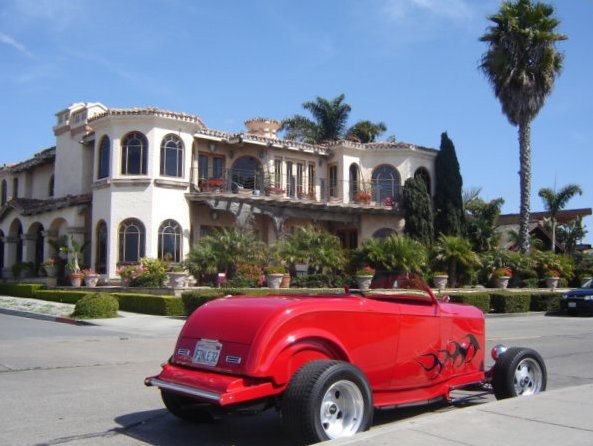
185,408
519,372
326,400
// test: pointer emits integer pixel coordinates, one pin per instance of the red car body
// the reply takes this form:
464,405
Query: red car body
411,348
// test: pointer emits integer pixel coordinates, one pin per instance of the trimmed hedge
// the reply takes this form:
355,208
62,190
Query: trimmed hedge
63,296
510,302
548,302
150,304
480,300
27,290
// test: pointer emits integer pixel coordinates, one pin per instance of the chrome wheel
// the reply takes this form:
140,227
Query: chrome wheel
342,409
528,377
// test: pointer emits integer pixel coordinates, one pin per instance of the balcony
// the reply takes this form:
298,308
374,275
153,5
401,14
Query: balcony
298,191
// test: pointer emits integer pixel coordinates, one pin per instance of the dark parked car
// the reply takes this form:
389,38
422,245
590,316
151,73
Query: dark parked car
579,300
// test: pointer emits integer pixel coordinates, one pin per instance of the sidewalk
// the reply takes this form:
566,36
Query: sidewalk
559,417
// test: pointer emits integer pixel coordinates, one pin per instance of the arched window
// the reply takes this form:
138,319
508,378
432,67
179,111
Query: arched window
101,240
51,186
134,154
15,188
104,157
131,240
172,156
386,183
4,192
423,174
383,233
170,241
19,244
247,173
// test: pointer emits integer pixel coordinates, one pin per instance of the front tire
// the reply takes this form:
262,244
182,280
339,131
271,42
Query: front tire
326,400
519,372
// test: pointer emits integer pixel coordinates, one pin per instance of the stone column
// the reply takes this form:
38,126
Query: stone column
9,256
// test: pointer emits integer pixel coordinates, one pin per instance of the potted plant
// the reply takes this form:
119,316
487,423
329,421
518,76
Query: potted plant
274,275
275,191
50,265
440,280
552,278
215,184
90,277
502,276
177,275
363,197
128,272
74,251
363,277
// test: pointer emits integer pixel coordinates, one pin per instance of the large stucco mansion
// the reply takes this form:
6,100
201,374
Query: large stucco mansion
145,182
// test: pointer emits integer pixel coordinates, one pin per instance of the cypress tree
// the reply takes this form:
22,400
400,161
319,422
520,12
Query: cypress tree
448,202
418,211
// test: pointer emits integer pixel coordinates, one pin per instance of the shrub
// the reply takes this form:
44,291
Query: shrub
320,281
96,306
480,300
64,296
192,300
510,302
153,274
548,302
241,282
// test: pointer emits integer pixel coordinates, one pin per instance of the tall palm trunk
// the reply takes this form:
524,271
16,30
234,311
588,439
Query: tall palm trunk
525,181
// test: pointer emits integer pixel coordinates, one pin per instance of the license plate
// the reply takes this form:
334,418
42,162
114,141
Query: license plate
572,304
207,352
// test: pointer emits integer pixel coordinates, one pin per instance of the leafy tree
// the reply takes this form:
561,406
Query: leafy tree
417,206
535,244
570,233
453,252
554,202
481,220
365,131
394,253
448,202
521,64
329,123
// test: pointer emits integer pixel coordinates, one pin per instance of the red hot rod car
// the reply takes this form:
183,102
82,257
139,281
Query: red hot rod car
326,362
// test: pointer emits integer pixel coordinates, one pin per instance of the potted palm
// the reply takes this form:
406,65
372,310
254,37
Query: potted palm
74,251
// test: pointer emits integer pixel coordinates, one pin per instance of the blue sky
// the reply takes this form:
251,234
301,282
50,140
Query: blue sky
409,63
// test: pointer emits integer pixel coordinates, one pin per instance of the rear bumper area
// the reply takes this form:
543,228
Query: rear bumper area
222,390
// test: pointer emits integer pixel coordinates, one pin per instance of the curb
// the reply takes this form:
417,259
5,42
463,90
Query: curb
45,317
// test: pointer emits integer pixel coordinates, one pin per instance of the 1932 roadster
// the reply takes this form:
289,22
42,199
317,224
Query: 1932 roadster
326,362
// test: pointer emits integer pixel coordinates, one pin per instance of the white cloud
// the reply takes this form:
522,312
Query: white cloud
7,40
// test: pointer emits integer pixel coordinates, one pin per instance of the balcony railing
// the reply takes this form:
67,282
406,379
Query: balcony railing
321,190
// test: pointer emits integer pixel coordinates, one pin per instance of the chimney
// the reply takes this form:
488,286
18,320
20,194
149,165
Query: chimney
264,127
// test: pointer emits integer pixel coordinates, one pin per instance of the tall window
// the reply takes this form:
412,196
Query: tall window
101,240
4,192
311,175
104,157
131,240
170,241
300,178
290,180
51,186
134,154
210,166
278,173
172,156
15,188
1,250
386,183
354,186
333,181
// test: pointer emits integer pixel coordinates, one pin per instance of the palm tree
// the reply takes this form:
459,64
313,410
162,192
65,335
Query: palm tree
365,131
555,202
454,251
394,253
329,123
521,64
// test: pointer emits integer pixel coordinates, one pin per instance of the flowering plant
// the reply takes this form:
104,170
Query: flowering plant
274,269
388,201
503,272
552,273
88,272
363,197
276,190
130,271
215,182
365,271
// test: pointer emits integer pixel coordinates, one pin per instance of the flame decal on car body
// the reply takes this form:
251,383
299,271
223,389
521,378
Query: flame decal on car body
457,353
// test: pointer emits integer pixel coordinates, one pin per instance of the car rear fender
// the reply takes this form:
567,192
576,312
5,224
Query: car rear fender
283,359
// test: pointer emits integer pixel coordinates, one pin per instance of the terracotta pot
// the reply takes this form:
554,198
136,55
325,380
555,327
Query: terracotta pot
75,279
285,283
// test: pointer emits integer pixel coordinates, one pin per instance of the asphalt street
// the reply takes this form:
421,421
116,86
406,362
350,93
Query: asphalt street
83,385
